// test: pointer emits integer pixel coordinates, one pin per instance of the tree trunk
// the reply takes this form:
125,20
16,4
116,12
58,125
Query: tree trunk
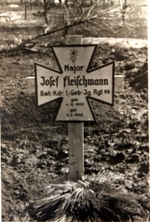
125,4
45,12
124,10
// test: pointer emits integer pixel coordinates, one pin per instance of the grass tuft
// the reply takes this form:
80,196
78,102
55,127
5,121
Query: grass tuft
85,202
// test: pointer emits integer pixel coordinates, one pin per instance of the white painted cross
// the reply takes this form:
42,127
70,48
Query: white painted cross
74,82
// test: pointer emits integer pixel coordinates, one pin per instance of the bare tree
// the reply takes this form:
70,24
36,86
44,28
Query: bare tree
45,11
74,11
89,19
123,8
47,4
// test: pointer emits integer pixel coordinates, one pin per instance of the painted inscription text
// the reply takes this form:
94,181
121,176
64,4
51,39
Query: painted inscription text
76,81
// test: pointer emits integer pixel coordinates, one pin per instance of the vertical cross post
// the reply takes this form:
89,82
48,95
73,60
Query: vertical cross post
75,134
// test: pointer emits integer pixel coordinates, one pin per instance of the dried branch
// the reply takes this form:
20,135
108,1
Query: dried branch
109,27
94,15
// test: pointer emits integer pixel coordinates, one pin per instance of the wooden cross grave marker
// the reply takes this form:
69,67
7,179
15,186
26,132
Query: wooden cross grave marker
74,83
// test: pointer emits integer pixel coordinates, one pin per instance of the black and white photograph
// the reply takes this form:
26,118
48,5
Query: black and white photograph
74,111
